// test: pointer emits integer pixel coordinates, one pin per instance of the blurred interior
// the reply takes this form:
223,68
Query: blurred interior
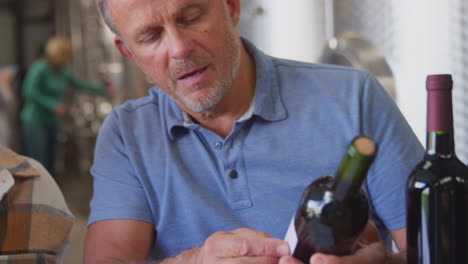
400,42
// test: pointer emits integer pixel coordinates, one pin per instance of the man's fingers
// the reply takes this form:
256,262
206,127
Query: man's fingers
289,260
250,232
250,260
373,253
369,235
254,246
225,245
320,258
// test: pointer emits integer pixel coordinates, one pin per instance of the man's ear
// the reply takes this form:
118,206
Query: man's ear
234,10
122,47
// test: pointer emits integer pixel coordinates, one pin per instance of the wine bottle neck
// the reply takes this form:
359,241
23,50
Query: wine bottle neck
439,111
350,176
440,138
440,143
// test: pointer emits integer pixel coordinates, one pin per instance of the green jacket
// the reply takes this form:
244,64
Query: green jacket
43,90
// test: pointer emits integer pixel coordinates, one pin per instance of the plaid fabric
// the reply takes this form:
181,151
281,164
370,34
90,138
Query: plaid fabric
34,219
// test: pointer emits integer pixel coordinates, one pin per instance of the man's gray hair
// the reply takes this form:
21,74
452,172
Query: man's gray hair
104,10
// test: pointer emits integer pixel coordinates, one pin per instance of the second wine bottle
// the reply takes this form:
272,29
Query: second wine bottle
437,230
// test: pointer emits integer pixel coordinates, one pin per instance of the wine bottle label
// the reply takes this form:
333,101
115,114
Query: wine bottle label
291,235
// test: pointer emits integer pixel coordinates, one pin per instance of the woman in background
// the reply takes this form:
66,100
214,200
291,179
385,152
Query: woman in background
43,89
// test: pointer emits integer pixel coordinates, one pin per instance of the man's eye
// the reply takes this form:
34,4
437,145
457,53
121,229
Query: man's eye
152,37
191,17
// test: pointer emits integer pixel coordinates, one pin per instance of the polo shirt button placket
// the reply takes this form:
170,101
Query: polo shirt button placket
218,145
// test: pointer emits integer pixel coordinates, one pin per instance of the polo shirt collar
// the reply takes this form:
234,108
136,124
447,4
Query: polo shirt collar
268,104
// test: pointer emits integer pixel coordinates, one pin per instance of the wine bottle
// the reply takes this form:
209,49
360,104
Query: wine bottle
334,211
437,204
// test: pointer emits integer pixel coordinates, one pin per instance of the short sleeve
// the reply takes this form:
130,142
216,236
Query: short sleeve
399,151
118,192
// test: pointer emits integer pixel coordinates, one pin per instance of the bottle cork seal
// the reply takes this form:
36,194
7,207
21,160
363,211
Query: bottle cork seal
365,146
439,82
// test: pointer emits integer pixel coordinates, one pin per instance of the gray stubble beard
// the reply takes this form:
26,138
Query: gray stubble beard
221,87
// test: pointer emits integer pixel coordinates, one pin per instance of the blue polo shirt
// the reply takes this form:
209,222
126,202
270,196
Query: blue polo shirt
152,165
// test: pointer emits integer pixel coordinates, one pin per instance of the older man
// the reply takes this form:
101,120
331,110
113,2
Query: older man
228,140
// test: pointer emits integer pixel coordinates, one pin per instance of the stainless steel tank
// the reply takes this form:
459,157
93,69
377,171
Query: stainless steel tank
360,35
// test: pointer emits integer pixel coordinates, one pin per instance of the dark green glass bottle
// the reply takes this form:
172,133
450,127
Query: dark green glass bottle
334,210
437,219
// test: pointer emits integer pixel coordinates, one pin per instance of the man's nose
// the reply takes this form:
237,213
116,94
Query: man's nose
179,44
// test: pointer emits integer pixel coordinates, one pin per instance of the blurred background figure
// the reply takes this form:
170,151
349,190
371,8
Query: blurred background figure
6,103
43,89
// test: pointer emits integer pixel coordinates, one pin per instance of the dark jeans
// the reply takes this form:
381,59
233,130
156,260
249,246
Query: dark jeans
40,143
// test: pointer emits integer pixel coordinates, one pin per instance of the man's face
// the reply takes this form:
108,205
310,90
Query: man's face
189,48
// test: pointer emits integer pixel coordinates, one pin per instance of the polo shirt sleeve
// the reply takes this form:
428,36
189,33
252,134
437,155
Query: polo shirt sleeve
118,192
399,151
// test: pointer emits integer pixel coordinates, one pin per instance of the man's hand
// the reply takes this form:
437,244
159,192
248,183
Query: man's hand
374,253
130,241
371,250
240,246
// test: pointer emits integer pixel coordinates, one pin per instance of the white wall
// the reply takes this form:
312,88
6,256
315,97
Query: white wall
292,29
422,48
